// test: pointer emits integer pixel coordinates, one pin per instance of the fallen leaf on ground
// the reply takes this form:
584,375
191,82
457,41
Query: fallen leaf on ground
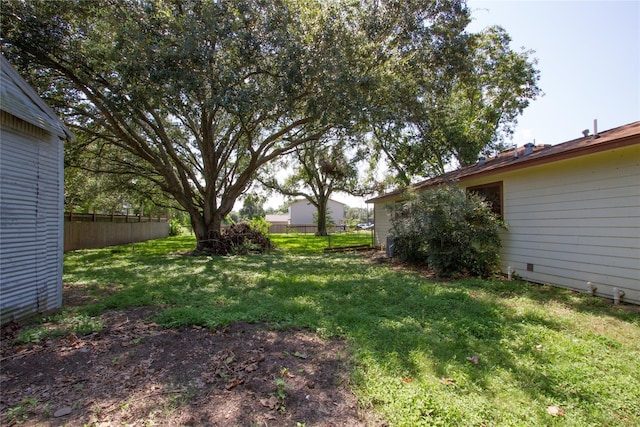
233,384
270,403
475,359
447,381
62,412
252,367
555,411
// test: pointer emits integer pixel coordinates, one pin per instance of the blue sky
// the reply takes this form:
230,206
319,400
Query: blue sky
588,54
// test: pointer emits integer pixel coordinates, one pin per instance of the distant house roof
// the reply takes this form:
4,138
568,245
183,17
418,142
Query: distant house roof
21,100
274,218
305,200
531,156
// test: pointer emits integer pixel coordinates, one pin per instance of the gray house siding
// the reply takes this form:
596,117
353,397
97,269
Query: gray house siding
31,201
573,212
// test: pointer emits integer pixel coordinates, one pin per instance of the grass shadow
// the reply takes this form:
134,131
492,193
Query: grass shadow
414,340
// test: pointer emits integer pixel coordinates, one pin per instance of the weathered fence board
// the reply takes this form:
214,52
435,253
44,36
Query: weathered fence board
86,231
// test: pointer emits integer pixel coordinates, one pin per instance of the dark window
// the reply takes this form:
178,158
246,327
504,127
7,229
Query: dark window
492,193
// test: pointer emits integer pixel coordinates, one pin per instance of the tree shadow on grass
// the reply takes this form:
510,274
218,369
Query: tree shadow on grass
388,315
134,372
548,294
405,326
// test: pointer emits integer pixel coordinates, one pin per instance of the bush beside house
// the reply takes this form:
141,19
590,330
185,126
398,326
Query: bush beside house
573,210
448,229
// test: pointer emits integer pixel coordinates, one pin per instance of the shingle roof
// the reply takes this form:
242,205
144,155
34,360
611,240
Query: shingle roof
507,160
276,218
305,200
21,100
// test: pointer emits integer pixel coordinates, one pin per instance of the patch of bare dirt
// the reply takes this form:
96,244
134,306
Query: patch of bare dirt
134,372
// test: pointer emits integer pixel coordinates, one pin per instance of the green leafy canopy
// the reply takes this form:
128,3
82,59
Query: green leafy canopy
196,97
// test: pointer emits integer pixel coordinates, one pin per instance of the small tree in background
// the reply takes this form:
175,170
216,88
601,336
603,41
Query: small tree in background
450,230
252,206
318,170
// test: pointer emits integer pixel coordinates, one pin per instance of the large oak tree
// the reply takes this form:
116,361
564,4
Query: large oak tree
196,96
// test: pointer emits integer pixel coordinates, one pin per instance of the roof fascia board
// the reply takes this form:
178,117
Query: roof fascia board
564,155
56,124
615,143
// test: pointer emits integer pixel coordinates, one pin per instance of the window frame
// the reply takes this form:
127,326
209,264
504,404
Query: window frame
499,184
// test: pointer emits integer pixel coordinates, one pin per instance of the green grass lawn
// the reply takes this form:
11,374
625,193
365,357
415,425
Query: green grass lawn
537,347
306,243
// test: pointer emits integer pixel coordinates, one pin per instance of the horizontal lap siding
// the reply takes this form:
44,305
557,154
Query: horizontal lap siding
577,221
31,185
382,221
574,221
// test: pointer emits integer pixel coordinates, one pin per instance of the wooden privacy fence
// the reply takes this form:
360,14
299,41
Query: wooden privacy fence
85,231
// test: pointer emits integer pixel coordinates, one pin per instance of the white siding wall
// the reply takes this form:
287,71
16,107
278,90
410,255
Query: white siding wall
31,220
336,211
382,221
576,221
303,213
571,222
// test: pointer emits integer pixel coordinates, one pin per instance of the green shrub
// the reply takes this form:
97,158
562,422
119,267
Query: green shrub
175,228
260,225
450,230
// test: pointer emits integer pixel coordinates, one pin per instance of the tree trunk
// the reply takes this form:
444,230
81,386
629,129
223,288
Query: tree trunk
322,217
206,232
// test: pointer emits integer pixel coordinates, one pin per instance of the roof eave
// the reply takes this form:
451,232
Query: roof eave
530,160
564,155
54,124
